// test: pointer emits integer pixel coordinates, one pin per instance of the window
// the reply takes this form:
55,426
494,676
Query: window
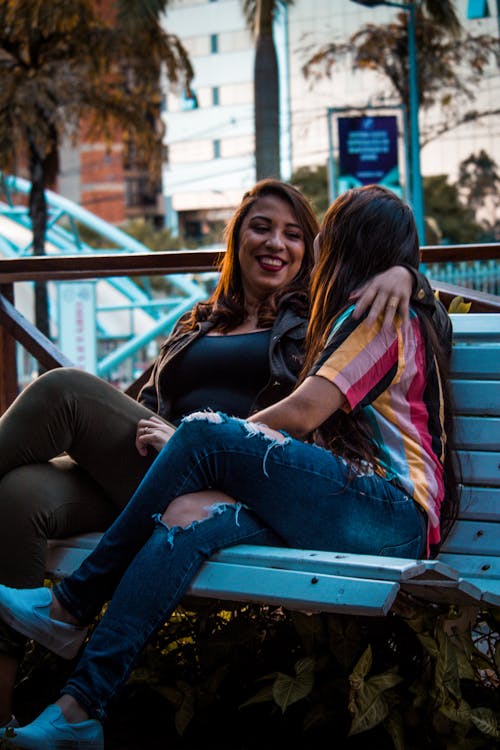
189,151
215,96
214,44
216,149
236,93
197,45
237,146
234,41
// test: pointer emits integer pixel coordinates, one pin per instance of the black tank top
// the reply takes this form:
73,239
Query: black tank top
222,373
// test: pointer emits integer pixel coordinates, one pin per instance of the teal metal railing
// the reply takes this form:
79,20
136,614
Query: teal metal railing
149,316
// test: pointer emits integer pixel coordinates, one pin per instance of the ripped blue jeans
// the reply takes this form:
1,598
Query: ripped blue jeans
307,496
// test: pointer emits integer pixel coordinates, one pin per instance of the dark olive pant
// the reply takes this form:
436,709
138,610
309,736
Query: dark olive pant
68,464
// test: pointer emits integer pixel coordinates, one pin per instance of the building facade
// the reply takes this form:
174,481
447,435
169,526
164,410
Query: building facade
210,131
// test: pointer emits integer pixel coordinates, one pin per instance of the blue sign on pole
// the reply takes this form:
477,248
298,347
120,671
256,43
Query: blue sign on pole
368,152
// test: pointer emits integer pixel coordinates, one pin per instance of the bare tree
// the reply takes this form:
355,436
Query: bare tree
451,62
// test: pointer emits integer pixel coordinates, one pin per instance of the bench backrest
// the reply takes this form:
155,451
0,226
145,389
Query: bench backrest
473,547
467,570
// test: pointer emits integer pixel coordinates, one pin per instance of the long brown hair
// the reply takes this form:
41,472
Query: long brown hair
225,308
365,231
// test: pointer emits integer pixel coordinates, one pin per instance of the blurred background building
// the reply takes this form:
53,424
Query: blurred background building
208,156
210,132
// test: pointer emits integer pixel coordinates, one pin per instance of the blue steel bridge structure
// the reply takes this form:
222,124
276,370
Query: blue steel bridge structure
131,314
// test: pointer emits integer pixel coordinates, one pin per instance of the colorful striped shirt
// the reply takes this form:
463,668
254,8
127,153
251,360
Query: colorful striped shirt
385,376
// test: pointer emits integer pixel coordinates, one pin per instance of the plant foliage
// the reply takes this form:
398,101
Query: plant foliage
249,676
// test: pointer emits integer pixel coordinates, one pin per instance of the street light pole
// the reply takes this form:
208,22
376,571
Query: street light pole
416,191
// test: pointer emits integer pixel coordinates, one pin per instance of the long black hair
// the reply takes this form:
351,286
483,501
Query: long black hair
366,231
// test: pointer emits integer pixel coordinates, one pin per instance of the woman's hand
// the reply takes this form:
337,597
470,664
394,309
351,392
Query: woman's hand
153,431
388,292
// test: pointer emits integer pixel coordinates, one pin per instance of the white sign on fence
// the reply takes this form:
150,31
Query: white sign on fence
77,323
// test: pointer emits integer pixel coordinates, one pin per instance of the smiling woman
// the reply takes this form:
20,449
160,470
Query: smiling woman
272,248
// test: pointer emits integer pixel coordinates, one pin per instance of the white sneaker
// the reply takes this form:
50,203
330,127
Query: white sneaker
51,731
28,612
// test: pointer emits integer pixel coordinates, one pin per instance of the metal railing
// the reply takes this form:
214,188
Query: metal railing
16,328
127,303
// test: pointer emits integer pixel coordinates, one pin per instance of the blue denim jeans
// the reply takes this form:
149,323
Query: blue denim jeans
307,496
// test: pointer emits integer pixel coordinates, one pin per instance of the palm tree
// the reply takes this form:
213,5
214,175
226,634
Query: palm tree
63,64
260,15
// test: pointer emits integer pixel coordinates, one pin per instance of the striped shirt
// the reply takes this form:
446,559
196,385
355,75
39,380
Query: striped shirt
385,377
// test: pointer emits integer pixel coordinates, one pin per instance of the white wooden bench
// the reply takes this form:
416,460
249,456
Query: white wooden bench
467,570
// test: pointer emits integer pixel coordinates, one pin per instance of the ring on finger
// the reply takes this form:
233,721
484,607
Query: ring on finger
393,302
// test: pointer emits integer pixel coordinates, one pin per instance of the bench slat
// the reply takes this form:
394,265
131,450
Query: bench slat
473,538
461,592
476,328
480,503
64,555
294,589
473,433
480,467
482,567
492,595
332,563
476,397
464,362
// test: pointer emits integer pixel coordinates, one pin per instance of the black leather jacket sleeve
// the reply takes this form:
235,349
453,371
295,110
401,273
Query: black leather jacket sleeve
422,290
423,295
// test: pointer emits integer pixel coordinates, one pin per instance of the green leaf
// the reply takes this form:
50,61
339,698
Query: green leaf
185,712
465,670
459,713
394,727
288,690
345,639
447,677
264,695
486,721
386,680
429,644
371,708
310,629
171,694
362,668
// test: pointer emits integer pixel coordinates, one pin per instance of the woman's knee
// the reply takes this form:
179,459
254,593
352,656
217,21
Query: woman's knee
184,510
62,380
195,506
